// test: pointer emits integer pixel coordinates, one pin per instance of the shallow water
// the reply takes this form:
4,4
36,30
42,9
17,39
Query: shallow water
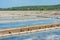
27,23
47,35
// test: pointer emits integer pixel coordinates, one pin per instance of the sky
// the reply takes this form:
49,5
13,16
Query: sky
14,3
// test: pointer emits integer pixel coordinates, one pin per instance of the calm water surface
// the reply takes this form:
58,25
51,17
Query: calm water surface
27,23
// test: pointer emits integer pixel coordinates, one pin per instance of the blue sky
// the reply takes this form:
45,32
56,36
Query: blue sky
12,3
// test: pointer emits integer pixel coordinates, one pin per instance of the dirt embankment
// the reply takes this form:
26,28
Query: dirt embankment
15,31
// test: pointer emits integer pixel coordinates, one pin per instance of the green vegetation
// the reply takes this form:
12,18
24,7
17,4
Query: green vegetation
49,7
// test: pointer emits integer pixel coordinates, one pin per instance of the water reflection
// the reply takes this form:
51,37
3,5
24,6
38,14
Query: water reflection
27,23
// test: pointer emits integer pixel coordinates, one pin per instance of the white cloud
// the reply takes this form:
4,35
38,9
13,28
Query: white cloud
29,39
33,38
53,37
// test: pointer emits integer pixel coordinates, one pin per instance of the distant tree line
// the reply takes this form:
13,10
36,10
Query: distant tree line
53,7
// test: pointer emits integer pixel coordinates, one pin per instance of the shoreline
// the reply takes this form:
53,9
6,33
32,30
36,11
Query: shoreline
25,30
28,32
